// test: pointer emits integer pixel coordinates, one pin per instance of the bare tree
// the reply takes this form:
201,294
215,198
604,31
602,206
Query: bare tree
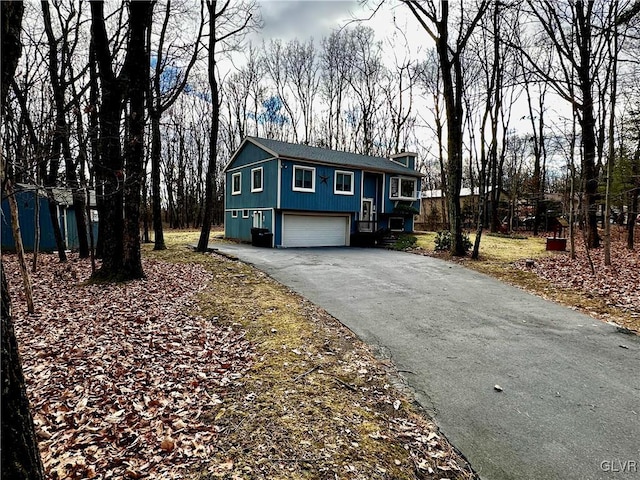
575,31
275,66
20,455
301,68
167,84
237,20
435,22
122,175
366,75
335,70
431,81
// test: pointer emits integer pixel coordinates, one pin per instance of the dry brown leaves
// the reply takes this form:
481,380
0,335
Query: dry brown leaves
618,284
119,375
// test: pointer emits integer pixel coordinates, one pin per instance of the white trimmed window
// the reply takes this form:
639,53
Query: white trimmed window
234,213
403,188
304,179
236,183
245,213
257,179
343,183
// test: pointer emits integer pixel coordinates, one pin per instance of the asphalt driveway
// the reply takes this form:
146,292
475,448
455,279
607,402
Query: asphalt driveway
570,405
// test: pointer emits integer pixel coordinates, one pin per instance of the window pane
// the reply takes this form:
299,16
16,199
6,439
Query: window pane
308,182
257,179
394,187
343,182
407,188
303,178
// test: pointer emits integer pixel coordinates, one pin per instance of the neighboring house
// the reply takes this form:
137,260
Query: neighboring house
434,208
26,196
308,196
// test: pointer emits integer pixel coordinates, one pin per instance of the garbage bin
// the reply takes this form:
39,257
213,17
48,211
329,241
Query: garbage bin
261,237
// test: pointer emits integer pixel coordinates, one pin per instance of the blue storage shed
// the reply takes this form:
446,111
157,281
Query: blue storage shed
26,197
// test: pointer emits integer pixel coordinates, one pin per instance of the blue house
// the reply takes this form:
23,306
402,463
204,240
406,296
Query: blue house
27,196
308,196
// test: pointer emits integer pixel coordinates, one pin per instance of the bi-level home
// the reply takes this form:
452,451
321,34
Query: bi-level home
308,196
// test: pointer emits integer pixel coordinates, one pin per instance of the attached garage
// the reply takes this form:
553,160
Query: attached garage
315,230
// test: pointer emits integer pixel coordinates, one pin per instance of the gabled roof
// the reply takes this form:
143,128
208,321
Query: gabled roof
332,157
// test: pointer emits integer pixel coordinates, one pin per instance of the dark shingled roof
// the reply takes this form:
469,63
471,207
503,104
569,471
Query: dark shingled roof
332,157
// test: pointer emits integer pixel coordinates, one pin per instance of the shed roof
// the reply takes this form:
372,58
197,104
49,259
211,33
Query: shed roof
333,157
61,195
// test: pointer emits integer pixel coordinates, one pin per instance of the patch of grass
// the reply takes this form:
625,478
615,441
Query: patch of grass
497,249
316,403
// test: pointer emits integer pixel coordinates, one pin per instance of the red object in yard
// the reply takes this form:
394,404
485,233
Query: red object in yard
556,244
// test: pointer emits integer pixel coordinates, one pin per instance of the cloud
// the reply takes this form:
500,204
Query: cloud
304,19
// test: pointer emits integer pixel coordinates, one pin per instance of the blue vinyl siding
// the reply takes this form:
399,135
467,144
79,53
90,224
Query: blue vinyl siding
26,215
372,188
267,198
240,228
323,199
250,154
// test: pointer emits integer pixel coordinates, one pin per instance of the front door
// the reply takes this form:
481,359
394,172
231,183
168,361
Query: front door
367,215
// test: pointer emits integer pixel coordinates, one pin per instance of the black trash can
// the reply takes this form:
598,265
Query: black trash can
261,237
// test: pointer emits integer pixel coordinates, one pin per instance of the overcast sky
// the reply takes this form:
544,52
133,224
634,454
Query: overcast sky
302,19
305,18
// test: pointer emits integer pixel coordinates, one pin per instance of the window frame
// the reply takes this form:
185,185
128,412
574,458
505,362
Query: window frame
233,183
254,189
234,213
313,179
258,214
396,219
399,195
245,213
335,182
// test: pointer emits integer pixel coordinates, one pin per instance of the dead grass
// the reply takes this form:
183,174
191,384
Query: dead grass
497,249
315,404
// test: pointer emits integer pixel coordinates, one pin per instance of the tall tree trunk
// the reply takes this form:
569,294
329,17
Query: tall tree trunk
156,141
50,179
452,80
119,206
57,76
137,85
587,123
453,106
635,192
93,134
613,44
211,193
109,170
20,455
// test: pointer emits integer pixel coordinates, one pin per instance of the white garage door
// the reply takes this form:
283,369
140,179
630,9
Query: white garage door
315,231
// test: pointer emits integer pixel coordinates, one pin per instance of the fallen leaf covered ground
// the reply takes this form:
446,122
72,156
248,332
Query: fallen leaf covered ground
617,286
119,375
208,368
